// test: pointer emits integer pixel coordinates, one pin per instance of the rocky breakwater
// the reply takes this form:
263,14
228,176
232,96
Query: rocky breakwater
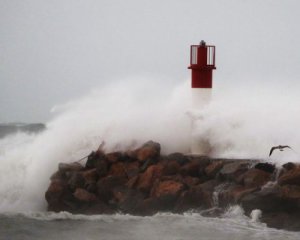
143,182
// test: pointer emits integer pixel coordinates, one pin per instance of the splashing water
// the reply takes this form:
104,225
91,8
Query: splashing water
242,123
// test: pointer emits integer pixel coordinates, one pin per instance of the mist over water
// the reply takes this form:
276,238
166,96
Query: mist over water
240,122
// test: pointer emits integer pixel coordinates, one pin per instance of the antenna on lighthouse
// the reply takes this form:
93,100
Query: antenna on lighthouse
202,64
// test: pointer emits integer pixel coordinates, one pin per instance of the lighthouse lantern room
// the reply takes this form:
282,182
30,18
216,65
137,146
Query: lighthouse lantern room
202,63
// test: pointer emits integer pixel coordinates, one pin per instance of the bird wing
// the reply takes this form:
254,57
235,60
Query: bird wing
272,149
286,147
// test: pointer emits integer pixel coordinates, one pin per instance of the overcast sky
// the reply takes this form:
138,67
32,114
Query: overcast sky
52,51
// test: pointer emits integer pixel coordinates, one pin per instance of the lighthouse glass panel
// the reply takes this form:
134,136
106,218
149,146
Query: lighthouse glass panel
194,51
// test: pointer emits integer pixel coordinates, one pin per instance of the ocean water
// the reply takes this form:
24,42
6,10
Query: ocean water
188,226
123,116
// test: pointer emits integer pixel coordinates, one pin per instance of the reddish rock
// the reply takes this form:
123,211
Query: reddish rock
94,158
233,193
191,168
199,196
106,185
289,166
132,182
84,196
191,181
118,169
290,192
212,169
75,180
255,178
290,177
232,171
179,158
58,175
55,190
101,166
90,176
70,167
171,168
132,169
115,157
147,178
150,150
59,197
168,187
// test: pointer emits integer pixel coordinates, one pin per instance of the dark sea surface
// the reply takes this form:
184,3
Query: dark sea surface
165,226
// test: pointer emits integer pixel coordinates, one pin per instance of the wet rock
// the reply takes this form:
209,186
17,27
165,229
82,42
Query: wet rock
118,169
132,182
115,157
291,192
290,177
128,199
254,178
267,199
289,166
90,176
232,171
76,180
198,197
172,167
106,185
147,178
150,150
213,168
191,181
179,158
232,193
58,175
191,168
70,167
94,158
168,187
267,167
82,195
132,169
59,197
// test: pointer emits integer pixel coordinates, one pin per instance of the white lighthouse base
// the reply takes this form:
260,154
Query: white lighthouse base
201,97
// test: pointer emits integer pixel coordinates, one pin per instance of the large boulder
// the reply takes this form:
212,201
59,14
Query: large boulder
178,157
168,187
254,178
82,195
70,167
267,167
200,196
105,187
191,168
59,197
213,168
290,177
150,150
171,167
232,171
118,169
147,178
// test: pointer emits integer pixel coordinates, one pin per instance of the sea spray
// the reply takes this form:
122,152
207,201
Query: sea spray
244,123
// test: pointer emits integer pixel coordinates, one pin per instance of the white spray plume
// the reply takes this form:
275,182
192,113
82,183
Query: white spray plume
241,122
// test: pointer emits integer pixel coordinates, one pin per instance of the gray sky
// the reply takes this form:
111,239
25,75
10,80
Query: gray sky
52,51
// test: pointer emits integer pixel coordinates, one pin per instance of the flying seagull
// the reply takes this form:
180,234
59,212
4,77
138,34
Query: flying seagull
278,147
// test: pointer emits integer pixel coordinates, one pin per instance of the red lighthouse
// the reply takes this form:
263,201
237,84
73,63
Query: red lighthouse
202,65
